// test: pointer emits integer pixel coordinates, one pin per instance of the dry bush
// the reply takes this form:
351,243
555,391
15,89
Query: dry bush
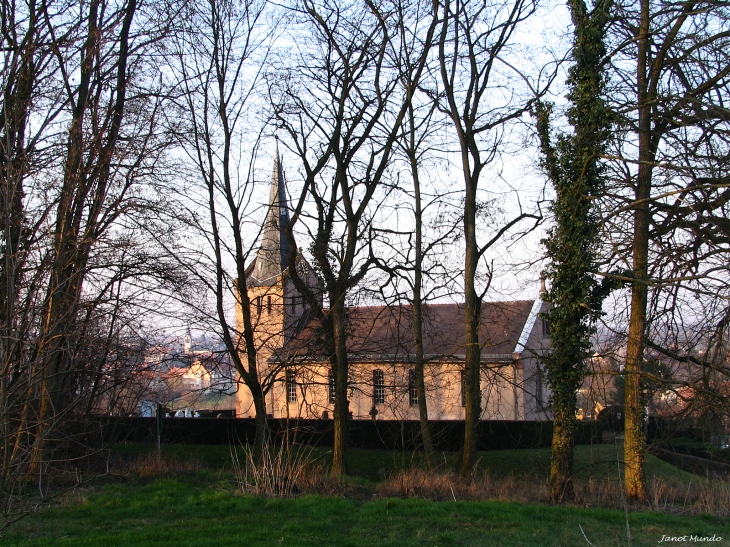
700,497
283,472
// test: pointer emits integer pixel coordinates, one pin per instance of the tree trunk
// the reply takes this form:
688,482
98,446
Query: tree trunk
418,303
421,384
340,368
634,435
248,370
472,316
262,425
561,463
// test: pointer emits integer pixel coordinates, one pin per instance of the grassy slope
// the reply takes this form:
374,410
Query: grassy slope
591,461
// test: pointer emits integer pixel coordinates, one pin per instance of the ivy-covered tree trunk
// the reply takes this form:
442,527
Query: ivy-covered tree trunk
342,404
573,168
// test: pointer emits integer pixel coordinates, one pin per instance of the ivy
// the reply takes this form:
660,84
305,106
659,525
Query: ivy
574,168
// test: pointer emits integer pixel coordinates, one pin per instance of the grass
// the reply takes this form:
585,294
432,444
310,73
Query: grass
192,498
169,512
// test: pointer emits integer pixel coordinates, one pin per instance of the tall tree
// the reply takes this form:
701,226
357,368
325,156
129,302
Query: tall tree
418,148
80,213
471,38
24,64
574,170
70,205
221,57
412,152
343,109
672,102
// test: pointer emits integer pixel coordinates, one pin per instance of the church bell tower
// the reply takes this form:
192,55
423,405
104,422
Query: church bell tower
278,311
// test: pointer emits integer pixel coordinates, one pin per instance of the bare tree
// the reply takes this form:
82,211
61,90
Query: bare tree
23,65
342,108
80,74
220,58
412,261
472,37
672,101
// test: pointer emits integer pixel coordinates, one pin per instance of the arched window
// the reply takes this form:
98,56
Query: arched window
463,388
539,388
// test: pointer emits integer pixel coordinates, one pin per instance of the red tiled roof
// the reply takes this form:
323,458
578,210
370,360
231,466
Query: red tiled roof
386,332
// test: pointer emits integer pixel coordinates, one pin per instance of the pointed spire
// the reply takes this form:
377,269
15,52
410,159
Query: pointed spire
272,256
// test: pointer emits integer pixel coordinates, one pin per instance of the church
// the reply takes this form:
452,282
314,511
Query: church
380,345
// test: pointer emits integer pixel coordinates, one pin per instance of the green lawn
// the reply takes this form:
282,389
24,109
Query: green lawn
169,512
194,504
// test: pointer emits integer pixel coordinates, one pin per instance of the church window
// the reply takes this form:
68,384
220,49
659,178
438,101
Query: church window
257,303
268,305
331,385
378,387
412,391
291,386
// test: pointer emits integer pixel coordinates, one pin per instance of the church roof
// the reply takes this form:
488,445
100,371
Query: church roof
385,333
272,256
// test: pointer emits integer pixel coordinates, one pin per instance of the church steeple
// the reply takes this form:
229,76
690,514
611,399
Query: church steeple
272,256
